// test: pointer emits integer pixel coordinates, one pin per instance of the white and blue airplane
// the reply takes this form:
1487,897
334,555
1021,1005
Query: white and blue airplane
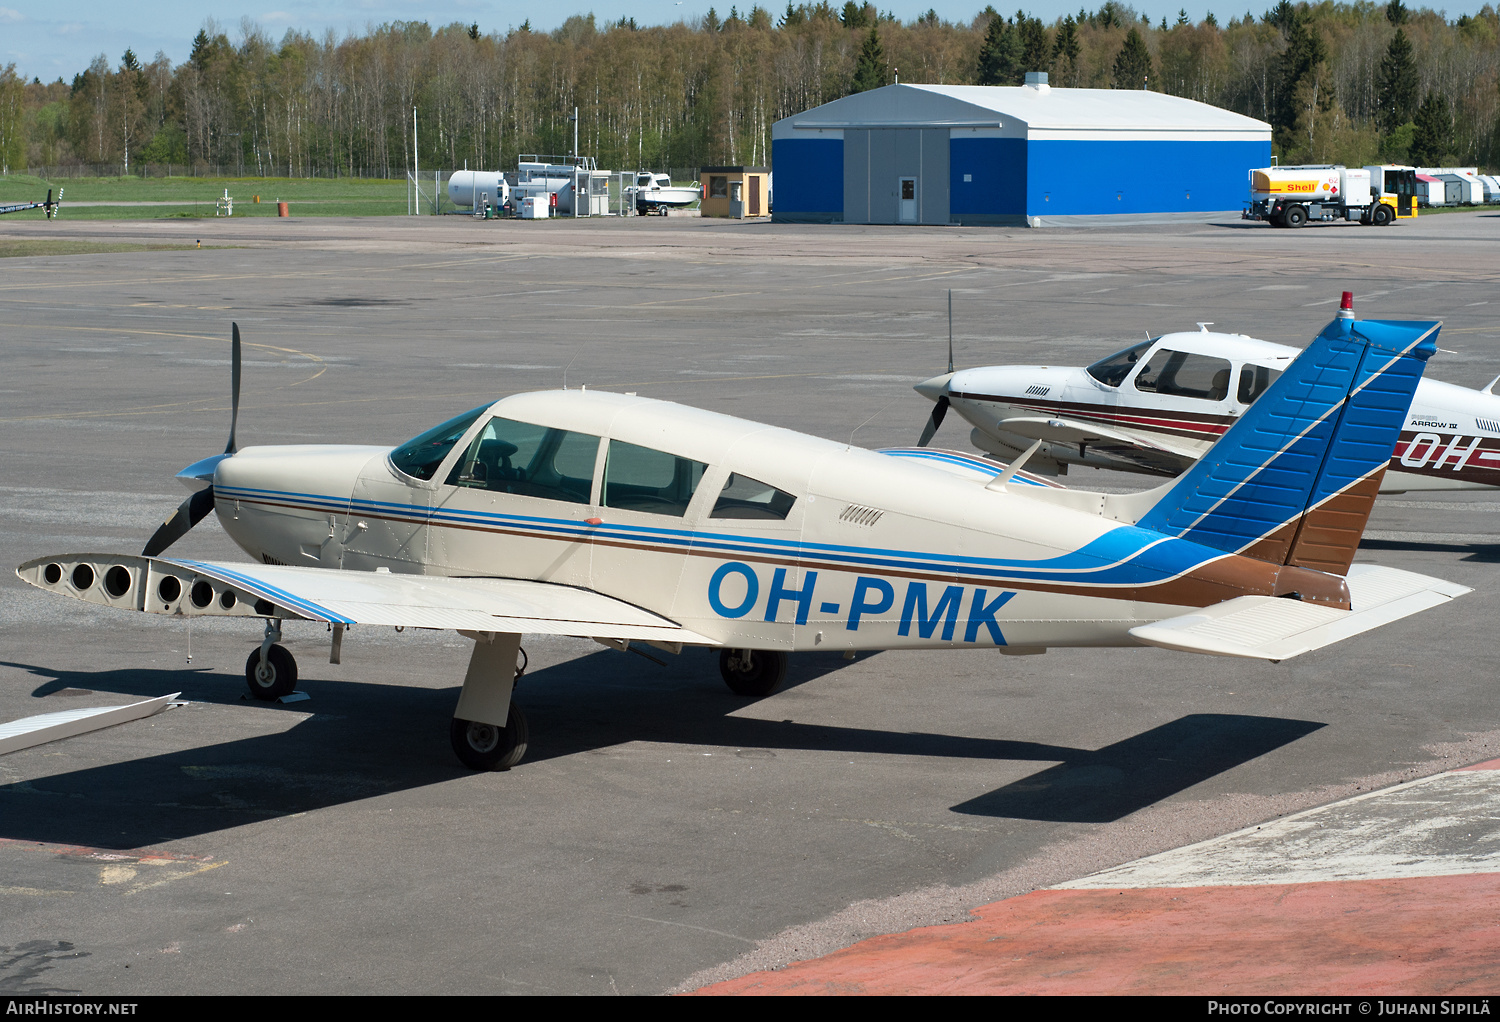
636,521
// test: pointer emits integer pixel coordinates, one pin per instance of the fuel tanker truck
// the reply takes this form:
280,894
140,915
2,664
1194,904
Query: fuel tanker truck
1291,196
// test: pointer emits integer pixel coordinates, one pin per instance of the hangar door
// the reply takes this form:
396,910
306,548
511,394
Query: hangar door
895,175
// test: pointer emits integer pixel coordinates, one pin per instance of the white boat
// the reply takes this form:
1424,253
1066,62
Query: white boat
655,192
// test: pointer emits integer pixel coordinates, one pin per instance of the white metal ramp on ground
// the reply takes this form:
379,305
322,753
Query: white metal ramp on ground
50,727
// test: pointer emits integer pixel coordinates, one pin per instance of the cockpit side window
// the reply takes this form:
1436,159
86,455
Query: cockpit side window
1112,371
534,461
743,497
1184,374
642,479
420,456
1253,382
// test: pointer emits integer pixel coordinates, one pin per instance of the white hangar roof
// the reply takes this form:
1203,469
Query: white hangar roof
1025,111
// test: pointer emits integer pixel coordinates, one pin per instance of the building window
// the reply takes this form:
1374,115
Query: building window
718,186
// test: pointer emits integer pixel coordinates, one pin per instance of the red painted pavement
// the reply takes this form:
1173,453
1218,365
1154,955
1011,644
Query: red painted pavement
1433,935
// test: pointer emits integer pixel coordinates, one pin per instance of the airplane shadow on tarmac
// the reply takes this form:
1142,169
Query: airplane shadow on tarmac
1483,553
356,740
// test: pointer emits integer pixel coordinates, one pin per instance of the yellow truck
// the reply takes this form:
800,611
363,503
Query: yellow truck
1291,196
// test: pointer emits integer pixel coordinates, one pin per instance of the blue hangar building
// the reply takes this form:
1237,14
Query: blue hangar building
1012,155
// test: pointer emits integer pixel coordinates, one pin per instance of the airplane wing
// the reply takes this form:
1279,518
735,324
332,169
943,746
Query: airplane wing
349,597
1275,628
1073,431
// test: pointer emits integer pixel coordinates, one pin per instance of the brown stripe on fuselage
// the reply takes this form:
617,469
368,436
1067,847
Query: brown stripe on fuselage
1196,425
1223,578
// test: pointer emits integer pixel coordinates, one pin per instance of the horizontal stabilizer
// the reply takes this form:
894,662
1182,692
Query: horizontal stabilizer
1275,628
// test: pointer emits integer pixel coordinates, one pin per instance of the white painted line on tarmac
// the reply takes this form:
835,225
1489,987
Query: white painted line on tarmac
1444,825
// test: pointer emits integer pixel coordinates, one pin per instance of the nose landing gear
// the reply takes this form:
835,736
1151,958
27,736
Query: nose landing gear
271,672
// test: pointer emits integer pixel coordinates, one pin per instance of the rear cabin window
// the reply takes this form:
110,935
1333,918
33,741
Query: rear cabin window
1112,371
743,497
642,479
534,461
1253,382
1183,374
420,456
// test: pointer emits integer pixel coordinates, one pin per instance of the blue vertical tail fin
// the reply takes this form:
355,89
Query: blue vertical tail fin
1293,481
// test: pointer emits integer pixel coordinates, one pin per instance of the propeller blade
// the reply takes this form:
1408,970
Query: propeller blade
939,410
187,515
234,389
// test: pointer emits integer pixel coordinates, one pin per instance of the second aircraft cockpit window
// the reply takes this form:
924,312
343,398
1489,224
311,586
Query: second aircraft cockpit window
1112,371
534,461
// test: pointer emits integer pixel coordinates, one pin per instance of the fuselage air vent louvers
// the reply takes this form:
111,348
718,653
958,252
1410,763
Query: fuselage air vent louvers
1037,390
858,514
267,558
1488,425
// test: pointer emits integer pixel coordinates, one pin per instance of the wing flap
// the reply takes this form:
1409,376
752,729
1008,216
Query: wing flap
427,601
189,588
1272,628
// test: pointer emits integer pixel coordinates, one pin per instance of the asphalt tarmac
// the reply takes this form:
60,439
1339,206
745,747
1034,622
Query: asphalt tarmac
661,833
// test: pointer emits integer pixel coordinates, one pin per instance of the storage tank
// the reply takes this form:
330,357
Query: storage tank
468,188
1311,184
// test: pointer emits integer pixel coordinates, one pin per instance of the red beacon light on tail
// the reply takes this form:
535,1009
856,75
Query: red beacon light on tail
1346,307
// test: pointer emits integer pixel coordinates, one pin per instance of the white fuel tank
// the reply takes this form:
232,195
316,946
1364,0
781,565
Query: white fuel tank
468,188
1312,184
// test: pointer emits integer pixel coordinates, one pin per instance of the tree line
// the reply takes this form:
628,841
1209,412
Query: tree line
1349,82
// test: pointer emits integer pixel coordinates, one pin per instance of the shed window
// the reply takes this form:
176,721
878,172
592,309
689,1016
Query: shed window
1183,374
642,479
718,186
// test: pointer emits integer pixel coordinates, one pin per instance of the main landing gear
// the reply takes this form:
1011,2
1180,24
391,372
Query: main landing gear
487,747
752,672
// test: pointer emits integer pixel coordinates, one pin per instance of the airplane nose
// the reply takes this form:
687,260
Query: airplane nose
934,388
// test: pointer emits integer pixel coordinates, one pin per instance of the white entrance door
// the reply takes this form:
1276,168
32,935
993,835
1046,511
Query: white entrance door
908,200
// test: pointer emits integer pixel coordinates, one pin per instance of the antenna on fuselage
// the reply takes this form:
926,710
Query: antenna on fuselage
567,367
862,425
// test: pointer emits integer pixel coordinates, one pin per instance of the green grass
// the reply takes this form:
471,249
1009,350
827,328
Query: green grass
10,247
195,197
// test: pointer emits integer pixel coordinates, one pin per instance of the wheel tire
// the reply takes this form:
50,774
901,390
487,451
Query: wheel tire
1276,221
1296,216
486,747
279,678
764,673
1381,217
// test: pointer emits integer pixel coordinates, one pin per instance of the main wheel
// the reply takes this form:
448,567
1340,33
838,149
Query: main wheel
487,747
752,672
1381,215
276,678
1296,216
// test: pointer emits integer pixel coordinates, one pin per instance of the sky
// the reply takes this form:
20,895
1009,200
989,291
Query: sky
58,38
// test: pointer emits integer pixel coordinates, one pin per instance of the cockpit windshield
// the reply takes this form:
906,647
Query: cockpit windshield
421,455
1112,371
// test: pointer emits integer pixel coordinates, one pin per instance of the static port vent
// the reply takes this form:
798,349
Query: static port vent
858,514
1037,390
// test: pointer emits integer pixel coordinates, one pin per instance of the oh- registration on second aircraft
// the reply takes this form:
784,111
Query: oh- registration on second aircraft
631,520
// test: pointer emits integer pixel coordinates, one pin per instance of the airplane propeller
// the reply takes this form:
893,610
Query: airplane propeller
940,409
196,507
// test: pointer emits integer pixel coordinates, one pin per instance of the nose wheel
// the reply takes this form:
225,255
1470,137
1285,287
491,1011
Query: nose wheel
487,747
274,677
752,672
